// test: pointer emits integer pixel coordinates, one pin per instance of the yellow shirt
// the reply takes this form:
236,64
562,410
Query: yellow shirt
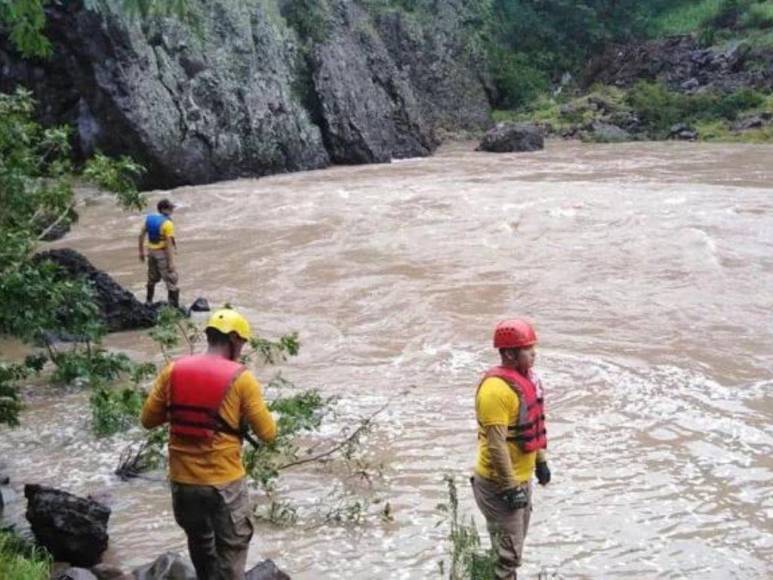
167,232
497,404
217,460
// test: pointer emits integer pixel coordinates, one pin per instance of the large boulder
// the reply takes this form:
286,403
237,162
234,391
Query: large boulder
512,137
119,309
600,132
71,528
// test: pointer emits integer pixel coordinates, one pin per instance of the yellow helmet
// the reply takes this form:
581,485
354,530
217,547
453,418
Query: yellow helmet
226,320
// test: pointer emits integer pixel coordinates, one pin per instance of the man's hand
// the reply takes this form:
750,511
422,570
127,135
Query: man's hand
543,472
515,498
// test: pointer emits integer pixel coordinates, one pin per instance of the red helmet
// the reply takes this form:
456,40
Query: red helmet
514,333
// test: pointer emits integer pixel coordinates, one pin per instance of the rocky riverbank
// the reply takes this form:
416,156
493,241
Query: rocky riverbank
671,88
255,88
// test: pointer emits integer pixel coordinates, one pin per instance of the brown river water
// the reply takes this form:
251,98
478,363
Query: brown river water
648,269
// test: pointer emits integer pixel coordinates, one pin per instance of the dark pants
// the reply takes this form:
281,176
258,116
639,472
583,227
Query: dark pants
218,523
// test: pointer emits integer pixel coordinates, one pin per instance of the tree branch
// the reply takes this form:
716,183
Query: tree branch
364,424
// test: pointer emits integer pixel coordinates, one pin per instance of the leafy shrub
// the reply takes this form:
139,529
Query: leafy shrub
114,410
96,366
517,80
659,109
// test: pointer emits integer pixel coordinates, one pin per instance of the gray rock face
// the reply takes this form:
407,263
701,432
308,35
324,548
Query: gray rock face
230,100
512,137
73,529
369,111
450,81
119,308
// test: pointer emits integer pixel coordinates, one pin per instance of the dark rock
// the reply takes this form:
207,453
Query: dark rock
682,132
690,85
512,137
119,308
108,572
200,305
74,574
753,122
168,566
266,570
606,133
73,529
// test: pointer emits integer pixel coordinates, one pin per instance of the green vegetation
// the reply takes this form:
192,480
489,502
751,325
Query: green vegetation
468,560
21,561
37,178
717,21
656,108
659,109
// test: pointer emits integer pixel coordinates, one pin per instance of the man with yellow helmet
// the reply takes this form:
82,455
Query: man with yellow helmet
209,400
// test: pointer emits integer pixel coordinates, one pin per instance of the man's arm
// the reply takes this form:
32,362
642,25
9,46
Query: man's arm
154,409
253,407
141,243
496,436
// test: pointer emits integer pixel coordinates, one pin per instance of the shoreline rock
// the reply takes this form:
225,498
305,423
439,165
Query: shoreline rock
71,528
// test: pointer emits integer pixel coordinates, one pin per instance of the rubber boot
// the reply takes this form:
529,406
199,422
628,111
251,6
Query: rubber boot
149,296
174,298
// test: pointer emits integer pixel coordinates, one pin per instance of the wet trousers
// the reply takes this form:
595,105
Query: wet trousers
158,269
507,528
218,523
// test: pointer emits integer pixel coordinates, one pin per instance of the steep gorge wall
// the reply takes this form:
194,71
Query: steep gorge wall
229,98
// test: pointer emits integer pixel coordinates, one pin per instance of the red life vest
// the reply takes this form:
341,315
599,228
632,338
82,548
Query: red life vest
198,386
529,432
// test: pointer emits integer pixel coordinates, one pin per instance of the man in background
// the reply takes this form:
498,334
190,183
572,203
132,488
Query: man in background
161,248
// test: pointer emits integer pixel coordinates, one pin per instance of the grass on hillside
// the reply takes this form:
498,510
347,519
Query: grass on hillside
20,561
708,19
712,115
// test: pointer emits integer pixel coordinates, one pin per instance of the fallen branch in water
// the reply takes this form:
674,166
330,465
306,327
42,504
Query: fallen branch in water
350,440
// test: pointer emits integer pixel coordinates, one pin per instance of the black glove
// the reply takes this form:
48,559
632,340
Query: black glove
543,472
515,498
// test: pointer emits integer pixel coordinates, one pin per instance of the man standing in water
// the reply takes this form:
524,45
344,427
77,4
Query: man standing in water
511,443
209,400
159,229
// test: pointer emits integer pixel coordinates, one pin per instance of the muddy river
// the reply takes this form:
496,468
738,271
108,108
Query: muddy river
647,268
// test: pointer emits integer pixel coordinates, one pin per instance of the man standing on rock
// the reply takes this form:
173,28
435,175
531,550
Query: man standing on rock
209,400
161,244
511,443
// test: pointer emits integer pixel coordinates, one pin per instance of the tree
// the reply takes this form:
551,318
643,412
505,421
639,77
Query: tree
36,194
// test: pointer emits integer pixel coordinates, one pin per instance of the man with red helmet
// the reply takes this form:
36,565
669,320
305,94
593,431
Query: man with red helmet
511,443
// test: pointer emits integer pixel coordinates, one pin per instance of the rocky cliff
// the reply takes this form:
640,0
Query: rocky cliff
247,92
